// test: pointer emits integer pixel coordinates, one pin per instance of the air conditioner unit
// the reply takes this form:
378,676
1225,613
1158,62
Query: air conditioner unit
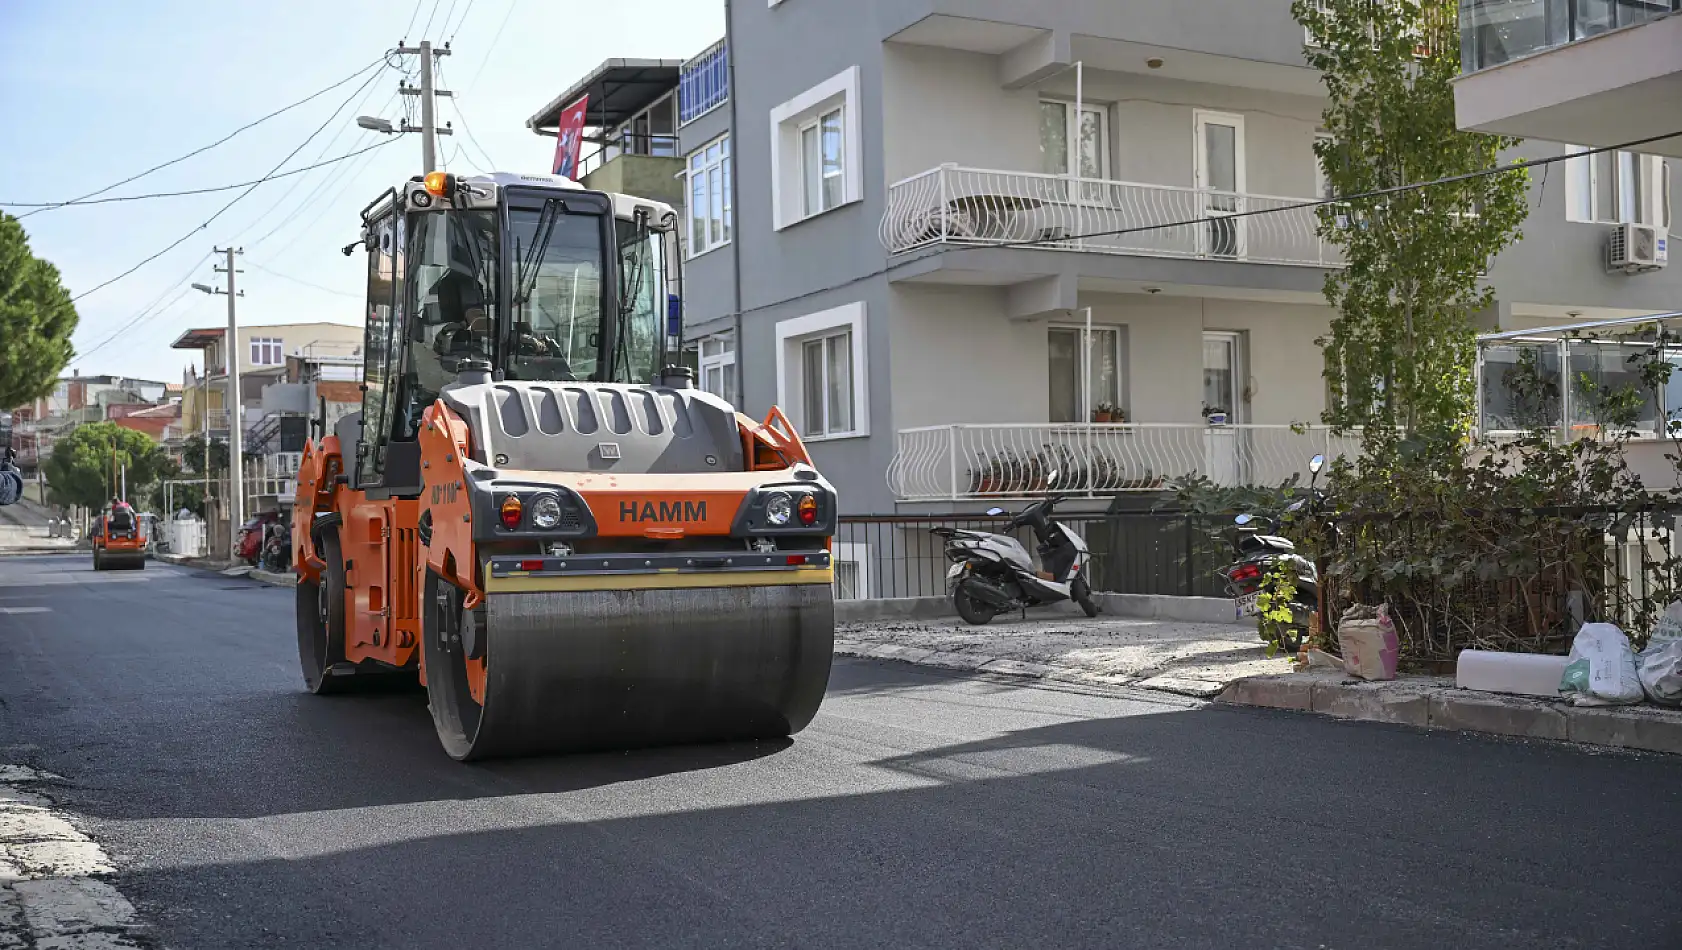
1636,249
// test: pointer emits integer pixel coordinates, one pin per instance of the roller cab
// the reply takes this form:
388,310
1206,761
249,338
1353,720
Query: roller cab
535,512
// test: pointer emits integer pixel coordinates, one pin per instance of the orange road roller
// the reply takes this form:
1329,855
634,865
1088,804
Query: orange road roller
536,511
119,542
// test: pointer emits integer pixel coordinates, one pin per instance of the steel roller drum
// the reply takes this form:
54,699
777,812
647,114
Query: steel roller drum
571,671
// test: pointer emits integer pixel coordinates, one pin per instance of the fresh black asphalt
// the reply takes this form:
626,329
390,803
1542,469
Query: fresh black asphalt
919,810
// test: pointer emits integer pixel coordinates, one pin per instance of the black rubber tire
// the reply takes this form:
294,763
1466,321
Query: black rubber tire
972,612
455,713
1082,595
321,622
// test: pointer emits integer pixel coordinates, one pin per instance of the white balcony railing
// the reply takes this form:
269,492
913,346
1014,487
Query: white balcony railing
957,462
972,206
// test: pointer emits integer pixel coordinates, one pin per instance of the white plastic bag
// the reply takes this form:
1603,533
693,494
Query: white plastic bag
1659,667
1602,669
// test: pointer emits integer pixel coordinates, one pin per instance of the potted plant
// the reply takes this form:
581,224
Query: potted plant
1104,413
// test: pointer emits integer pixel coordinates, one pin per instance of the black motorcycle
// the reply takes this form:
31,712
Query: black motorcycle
1261,550
277,547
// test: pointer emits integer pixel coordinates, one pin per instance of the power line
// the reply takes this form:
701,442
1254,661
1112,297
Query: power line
301,281
464,14
449,11
47,206
455,101
427,29
492,47
413,14
198,191
236,199
151,309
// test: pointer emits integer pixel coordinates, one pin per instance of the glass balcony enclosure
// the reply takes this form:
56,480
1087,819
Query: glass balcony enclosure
1581,381
1493,32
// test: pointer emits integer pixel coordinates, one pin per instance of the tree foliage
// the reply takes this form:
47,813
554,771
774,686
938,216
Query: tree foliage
85,466
1401,346
36,319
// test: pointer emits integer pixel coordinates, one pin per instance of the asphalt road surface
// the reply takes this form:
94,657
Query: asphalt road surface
919,810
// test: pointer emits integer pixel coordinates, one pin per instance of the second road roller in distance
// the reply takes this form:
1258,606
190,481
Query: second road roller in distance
536,511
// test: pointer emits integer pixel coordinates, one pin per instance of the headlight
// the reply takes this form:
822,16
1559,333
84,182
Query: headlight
546,512
778,509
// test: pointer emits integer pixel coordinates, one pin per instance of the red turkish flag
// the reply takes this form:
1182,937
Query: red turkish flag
570,139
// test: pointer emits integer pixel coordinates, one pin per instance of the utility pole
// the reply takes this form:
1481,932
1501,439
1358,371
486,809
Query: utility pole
429,129
236,500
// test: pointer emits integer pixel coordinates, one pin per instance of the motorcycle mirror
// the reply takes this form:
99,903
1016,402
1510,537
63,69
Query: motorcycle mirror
1296,505
995,512
1052,478
1242,520
1316,463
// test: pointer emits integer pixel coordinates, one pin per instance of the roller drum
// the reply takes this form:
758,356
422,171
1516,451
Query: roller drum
589,670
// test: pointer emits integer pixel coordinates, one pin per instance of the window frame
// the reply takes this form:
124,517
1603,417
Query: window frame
723,360
260,348
1121,389
704,172
1071,135
792,336
789,120
1650,183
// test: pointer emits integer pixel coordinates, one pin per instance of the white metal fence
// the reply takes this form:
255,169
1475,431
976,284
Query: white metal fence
973,206
956,462
183,537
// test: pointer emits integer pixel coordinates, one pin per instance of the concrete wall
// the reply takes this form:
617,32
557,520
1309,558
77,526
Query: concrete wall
646,176
709,286
1563,262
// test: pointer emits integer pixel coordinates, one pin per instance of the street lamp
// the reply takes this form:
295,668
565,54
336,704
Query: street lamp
375,124
204,288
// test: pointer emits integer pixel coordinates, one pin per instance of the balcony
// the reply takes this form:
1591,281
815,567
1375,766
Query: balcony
1588,72
647,166
973,462
1493,32
973,207
703,83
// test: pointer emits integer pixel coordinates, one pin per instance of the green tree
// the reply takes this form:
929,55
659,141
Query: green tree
1401,348
36,319
192,455
85,466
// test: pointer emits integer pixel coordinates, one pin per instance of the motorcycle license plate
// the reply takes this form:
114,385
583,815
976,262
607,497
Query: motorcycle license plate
1247,604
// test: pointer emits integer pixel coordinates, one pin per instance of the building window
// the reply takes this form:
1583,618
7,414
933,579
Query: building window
717,366
266,351
704,83
1070,401
821,372
1223,375
821,164
709,197
816,158
1617,188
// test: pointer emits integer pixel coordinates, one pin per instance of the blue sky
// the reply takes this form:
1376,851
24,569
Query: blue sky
92,92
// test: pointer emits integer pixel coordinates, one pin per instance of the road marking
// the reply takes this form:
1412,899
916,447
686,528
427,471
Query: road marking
25,610
50,894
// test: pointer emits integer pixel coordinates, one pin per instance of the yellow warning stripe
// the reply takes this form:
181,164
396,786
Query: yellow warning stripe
664,580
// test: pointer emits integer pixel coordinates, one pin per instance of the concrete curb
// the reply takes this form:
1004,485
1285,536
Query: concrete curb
1430,703
1143,606
274,580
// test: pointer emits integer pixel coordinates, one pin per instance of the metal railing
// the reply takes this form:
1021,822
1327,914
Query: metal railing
957,462
1493,32
703,83
879,557
629,143
973,206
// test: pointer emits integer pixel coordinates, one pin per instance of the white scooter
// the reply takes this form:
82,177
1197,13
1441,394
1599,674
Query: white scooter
993,574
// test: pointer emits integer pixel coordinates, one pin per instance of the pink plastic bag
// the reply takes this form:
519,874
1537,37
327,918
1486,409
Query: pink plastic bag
1370,647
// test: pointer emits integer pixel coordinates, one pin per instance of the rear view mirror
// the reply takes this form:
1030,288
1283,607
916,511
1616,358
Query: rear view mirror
1052,478
1296,505
1316,463
995,512
1242,520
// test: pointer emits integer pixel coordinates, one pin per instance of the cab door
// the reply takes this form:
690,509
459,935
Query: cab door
367,529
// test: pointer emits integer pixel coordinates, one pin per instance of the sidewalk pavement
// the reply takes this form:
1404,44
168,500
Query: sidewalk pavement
1192,659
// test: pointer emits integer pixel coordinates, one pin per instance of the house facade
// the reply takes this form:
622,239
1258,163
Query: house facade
961,241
